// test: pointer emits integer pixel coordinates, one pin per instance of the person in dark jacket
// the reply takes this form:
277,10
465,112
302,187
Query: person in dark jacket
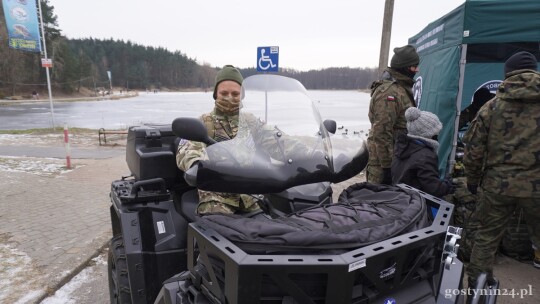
415,161
480,98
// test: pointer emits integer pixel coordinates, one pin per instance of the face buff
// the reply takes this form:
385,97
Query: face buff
228,105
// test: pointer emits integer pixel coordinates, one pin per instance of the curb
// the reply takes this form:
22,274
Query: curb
51,290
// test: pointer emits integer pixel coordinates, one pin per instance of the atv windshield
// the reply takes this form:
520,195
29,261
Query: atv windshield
281,143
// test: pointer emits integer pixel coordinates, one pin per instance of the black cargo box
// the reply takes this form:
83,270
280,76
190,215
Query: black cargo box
150,153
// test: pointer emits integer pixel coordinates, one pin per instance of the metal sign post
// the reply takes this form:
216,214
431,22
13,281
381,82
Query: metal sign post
267,61
47,64
110,80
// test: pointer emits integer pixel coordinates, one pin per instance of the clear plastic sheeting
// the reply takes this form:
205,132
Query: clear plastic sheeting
281,143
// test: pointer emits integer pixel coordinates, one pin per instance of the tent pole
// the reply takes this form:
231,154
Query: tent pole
462,63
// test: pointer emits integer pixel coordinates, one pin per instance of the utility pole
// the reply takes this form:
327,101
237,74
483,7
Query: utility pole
46,67
386,34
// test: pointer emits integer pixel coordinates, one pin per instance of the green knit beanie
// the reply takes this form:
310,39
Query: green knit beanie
404,56
228,72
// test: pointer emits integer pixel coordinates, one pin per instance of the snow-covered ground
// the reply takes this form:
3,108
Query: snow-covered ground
38,166
18,277
66,294
48,166
82,138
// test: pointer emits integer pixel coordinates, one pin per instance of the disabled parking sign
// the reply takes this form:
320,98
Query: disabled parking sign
267,59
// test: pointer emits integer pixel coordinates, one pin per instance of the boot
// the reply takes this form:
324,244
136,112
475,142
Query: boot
536,261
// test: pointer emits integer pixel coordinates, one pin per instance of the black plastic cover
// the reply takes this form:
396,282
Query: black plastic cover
150,153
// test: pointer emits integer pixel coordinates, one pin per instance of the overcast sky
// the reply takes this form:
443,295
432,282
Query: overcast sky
311,34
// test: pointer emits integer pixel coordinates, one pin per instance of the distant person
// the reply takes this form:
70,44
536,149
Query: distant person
502,157
416,161
35,95
390,97
480,97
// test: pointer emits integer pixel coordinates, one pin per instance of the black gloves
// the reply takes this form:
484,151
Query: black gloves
472,188
450,185
387,176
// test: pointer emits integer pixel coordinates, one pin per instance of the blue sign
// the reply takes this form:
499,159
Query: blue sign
22,24
389,301
268,58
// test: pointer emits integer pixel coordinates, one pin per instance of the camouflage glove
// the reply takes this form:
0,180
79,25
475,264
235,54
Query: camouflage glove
472,188
387,176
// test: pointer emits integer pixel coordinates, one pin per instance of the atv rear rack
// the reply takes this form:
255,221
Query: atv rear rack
407,268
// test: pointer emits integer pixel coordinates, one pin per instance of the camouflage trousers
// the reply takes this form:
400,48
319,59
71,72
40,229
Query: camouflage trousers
465,204
227,203
374,174
494,213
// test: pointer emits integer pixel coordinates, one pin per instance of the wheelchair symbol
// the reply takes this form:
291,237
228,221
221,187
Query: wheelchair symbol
266,60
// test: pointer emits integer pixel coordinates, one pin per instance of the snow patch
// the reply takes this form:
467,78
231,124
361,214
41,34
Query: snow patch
18,277
64,294
38,166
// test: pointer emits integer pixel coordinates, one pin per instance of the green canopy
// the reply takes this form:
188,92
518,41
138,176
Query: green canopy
465,50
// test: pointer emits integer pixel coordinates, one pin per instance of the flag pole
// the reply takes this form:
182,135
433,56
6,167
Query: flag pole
46,66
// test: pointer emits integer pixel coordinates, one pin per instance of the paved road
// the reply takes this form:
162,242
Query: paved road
60,152
53,224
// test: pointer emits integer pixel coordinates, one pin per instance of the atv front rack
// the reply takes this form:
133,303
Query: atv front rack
407,268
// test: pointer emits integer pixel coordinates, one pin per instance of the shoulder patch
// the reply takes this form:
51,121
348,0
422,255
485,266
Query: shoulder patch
390,98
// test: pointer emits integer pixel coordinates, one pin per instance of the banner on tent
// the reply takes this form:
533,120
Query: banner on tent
22,24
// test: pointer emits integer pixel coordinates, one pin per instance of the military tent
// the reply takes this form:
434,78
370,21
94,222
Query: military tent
465,50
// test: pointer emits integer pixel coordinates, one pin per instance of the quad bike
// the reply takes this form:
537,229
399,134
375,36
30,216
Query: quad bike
286,157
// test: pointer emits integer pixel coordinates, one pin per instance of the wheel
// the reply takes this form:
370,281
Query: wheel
119,289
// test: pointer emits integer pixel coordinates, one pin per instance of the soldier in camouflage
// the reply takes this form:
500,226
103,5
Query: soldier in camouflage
502,156
465,204
222,124
390,97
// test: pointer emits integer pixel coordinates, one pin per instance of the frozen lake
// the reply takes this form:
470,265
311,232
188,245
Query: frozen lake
348,108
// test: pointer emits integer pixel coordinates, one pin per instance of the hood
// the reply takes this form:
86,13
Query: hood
407,145
390,75
521,86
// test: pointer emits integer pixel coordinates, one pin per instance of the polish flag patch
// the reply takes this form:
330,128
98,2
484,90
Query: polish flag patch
390,98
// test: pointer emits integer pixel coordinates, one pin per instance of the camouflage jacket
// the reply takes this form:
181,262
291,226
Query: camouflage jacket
250,133
390,97
502,146
220,127
253,133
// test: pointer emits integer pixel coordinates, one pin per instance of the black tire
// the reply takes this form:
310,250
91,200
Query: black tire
119,289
